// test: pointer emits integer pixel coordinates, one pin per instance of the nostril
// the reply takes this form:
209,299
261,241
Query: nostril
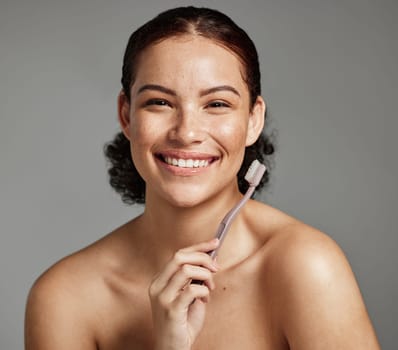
186,133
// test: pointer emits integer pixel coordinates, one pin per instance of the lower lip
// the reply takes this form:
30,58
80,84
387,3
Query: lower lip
179,171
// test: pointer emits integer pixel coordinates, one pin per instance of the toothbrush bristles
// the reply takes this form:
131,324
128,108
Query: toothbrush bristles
255,173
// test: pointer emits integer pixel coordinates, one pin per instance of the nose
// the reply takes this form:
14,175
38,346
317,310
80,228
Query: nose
187,128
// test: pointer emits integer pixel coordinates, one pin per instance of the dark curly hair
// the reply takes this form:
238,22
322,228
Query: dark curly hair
208,23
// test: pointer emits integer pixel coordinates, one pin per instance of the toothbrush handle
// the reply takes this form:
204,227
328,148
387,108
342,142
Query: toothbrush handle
228,218
226,223
222,229
253,177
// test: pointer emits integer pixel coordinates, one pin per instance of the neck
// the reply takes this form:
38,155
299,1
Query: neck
168,228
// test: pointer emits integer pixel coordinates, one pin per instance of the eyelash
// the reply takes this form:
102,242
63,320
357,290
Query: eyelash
157,102
218,104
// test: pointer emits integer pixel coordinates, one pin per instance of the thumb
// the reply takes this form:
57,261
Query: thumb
196,317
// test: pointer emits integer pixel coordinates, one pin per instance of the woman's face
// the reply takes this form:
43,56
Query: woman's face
189,119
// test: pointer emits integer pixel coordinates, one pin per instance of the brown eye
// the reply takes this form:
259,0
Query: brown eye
157,102
218,104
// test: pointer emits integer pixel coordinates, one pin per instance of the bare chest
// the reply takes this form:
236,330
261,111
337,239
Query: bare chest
237,317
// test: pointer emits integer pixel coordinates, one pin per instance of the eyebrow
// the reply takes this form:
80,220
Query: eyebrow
156,88
219,88
171,92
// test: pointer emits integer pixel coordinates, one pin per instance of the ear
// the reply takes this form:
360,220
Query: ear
256,121
123,109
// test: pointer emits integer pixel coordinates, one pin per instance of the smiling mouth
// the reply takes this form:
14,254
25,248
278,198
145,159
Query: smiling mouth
186,162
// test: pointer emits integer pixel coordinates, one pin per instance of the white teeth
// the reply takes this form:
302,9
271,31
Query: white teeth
187,163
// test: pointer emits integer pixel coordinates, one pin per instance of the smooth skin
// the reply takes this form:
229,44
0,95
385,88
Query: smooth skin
277,283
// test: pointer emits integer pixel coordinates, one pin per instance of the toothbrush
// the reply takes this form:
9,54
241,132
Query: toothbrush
253,177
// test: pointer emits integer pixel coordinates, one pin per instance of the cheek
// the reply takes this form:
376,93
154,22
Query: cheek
143,137
232,135
143,133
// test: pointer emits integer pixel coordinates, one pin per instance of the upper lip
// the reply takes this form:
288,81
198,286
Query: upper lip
177,154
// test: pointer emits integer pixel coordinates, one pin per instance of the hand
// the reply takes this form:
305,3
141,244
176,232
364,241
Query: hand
178,306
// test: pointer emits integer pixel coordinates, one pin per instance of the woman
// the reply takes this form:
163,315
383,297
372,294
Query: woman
191,113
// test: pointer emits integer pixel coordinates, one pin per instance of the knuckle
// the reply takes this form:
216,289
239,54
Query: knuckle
186,270
206,259
208,274
190,288
196,289
178,257
163,301
205,292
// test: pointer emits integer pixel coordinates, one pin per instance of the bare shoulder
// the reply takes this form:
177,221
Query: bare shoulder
316,298
68,298
60,303
300,250
295,248
56,308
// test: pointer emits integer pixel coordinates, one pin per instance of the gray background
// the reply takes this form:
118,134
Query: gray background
330,79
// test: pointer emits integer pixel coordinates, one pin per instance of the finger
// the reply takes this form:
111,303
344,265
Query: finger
189,295
183,278
181,258
203,246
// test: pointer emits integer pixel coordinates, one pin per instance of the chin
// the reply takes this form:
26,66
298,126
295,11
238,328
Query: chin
192,196
184,204
188,200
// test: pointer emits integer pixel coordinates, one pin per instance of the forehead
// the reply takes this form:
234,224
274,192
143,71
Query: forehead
189,57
